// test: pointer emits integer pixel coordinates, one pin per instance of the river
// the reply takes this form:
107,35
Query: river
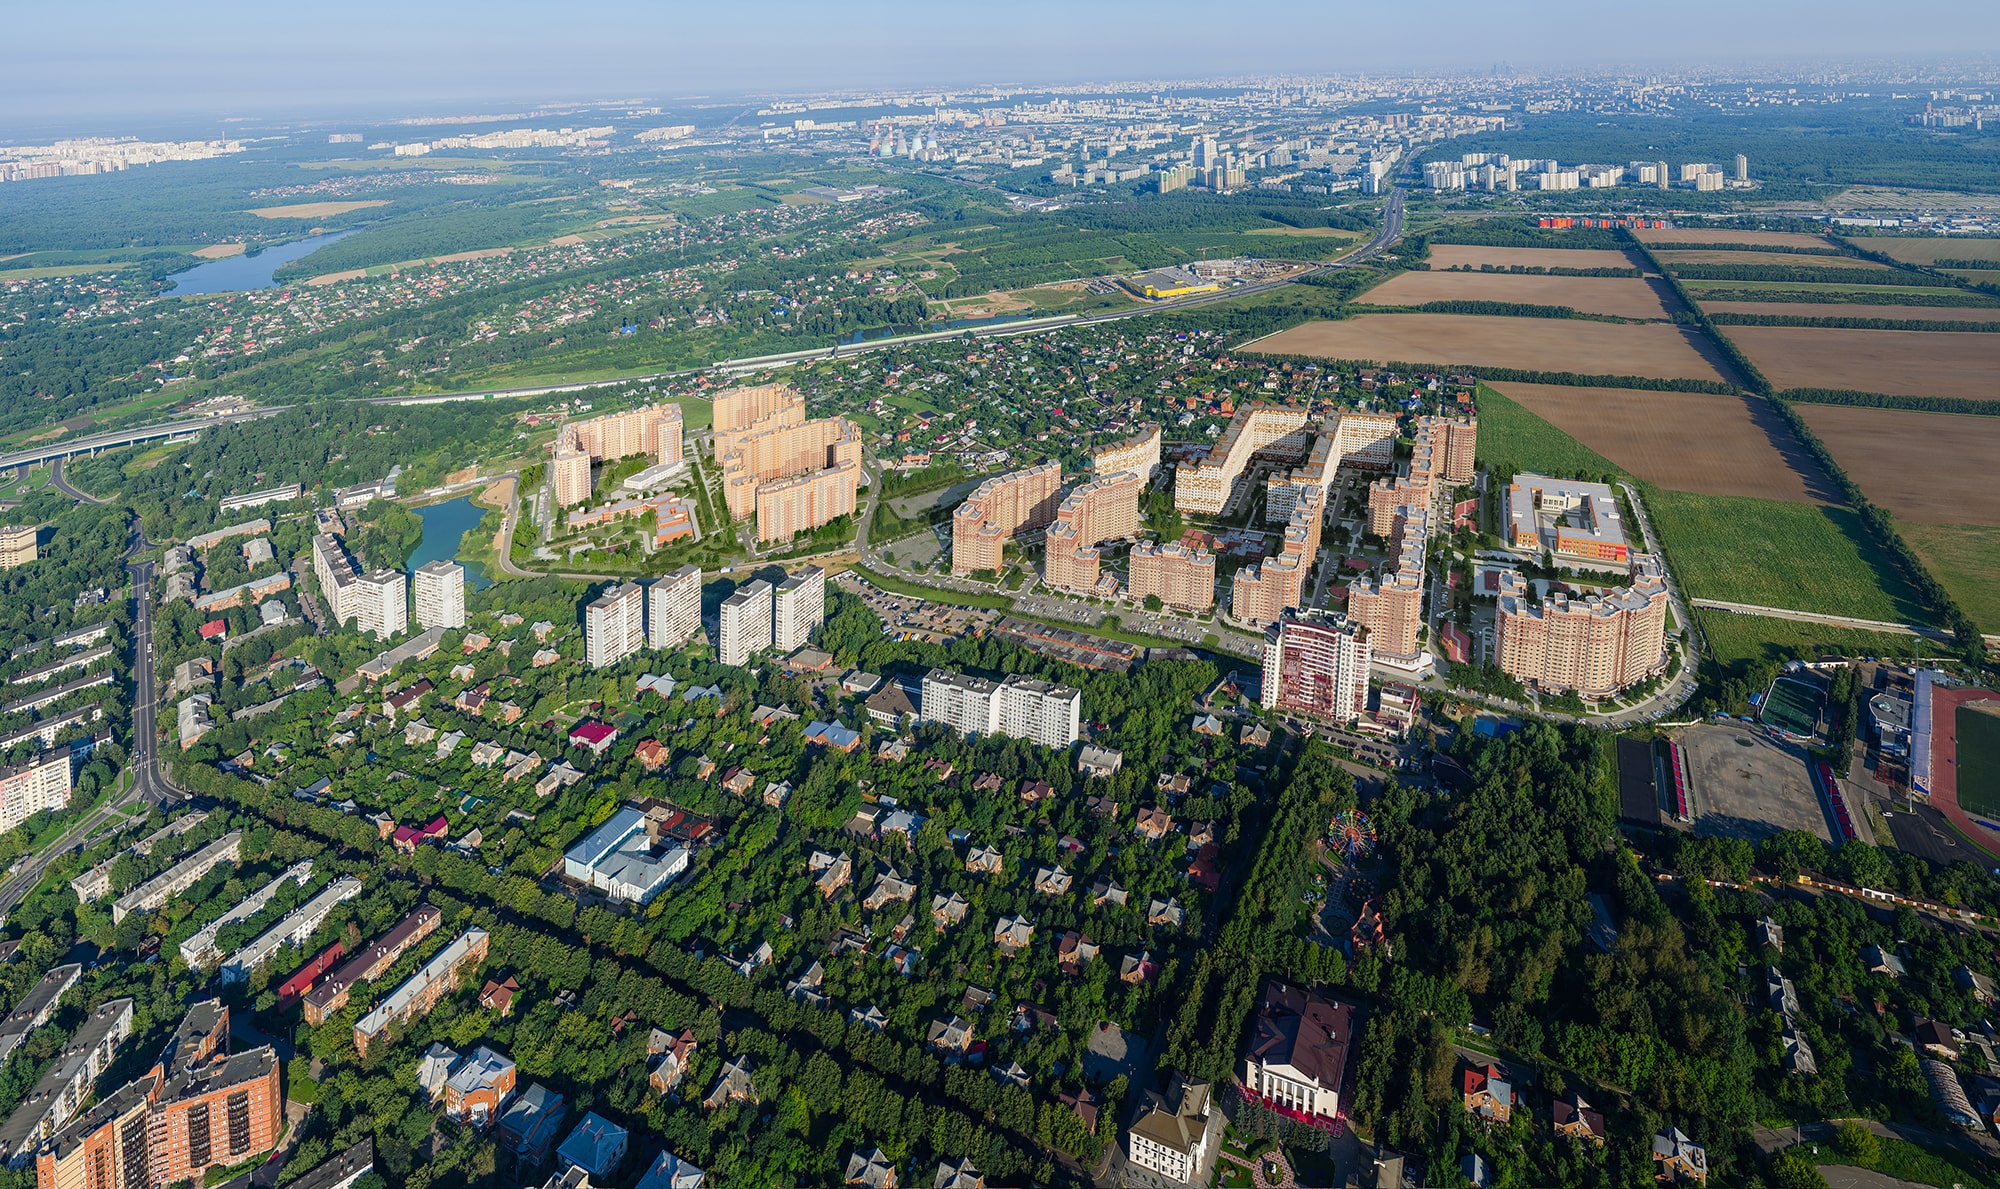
445,525
234,274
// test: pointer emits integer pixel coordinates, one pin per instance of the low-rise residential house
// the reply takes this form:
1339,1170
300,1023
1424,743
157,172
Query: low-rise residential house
498,996
418,733
1798,1052
871,1170
669,1057
1105,892
738,781
1154,824
1678,1159
776,793
830,872
597,1146
1052,881
890,888
1487,1094
805,988
1971,980
448,743
952,1036
1208,724
958,1174
486,752
1771,933
948,909
1099,762
528,1127
1013,934
1034,792
669,1171
1012,1075
1074,951
733,1085
870,1018
544,657
1935,1040
1573,1118
1876,960
652,754
1175,785
1165,914
1138,968
987,782
984,860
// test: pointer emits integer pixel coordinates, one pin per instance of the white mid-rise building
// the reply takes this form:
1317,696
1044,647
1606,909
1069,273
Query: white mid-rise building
335,572
382,603
965,703
614,625
745,627
798,606
673,608
1018,707
41,783
1173,1134
440,594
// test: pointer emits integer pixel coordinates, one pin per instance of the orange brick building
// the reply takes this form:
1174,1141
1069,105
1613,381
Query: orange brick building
1594,645
997,510
1180,577
792,473
1104,509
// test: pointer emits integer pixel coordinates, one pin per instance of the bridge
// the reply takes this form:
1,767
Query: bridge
114,438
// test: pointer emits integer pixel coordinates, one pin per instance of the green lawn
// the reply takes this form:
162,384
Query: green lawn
1966,558
1802,557
1739,640
1510,435
1925,1166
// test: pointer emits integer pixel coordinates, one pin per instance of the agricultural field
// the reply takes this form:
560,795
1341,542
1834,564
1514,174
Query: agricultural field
1656,350
1966,558
315,210
1894,455
1767,259
1934,248
1837,290
1475,255
1814,309
1620,297
1719,235
1896,362
1773,553
1701,442
1512,437
1738,641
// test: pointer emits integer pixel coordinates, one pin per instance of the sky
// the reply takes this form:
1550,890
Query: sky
103,61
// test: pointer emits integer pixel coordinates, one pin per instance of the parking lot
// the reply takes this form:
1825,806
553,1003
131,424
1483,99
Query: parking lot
1746,785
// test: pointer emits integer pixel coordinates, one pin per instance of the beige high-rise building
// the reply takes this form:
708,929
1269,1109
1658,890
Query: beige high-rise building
997,510
655,430
1205,486
766,456
797,607
1283,488
673,608
1105,509
17,545
1366,440
1139,454
1182,578
439,590
1594,645
1457,440
569,470
1387,498
1316,664
791,506
382,603
1391,606
1263,592
745,627
614,625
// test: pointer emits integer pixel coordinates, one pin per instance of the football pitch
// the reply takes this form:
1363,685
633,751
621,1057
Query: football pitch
1978,728
1793,706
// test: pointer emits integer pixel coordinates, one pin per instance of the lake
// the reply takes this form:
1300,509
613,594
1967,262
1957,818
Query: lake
233,274
445,525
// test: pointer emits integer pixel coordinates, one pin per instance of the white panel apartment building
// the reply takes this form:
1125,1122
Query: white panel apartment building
799,607
41,783
673,608
335,573
614,625
440,595
1018,707
745,623
382,603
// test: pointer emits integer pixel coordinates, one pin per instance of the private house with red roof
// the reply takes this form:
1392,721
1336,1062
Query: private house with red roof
406,839
214,629
1297,1061
1488,1094
652,754
593,736
1206,870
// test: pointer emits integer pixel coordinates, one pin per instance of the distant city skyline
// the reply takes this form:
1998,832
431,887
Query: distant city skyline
228,58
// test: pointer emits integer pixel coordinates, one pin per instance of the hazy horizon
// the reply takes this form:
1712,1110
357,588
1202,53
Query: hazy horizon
103,65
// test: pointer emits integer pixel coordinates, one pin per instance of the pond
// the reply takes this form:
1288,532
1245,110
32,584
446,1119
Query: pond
234,274
445,525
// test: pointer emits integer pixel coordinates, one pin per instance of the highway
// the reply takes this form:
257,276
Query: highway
111,439
62,484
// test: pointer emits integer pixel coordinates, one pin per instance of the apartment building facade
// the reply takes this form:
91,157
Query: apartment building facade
43,782
1593,645
382,603
798,607
18,545
1205,486
436,979
673,608
1018,707
440,594
368,964
998,510
1103,509
1139,453
1180,577
1391,605
745,623
569,471
1316,665
614,625
334,571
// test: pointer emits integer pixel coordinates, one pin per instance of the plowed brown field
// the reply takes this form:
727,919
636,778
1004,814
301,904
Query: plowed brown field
1657,350
1897,362
1620,297
1473,255
1894,456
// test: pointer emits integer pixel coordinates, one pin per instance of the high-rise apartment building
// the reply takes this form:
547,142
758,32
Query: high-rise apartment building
1742,168
997,510
654,430
797,607
1316,665
382,603
787,507
1018,707
1456,440
1139,453
17,545
745,626
440,594
1104,509
335,572
614,625
1594,645
794,474
569,470
1181,578
1205,486
1391,606
1263,592
673,608
41,782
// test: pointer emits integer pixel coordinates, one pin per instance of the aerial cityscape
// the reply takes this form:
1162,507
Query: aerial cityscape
696,598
